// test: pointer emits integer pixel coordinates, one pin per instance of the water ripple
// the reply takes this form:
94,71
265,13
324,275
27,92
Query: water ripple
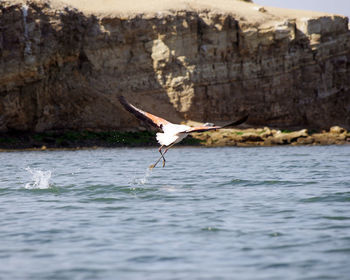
259,213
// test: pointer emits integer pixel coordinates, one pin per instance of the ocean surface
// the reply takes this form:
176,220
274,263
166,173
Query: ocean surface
211,213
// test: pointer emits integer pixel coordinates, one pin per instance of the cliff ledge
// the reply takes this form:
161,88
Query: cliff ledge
63,63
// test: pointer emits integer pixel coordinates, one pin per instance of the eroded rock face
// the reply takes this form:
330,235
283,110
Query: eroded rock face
62,68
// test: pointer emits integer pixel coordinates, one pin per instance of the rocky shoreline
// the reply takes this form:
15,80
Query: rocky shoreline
269,137
249,137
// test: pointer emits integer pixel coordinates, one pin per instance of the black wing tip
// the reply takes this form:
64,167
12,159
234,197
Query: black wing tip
129,107
125,103
138,113
121,99
238,122
244,119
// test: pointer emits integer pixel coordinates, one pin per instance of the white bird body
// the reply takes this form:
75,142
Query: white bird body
172,133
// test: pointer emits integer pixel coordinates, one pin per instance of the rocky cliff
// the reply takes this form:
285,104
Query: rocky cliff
62,64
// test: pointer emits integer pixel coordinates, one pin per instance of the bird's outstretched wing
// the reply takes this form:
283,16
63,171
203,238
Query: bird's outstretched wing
206,128
142,115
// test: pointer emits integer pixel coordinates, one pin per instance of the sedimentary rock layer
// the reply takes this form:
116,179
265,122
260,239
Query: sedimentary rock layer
62,64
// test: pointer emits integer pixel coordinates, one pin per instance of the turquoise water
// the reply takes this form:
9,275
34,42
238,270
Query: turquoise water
211,213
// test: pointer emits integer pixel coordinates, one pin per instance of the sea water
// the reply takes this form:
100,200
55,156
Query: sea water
210,213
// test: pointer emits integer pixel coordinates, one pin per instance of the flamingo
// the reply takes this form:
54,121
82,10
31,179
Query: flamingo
171,133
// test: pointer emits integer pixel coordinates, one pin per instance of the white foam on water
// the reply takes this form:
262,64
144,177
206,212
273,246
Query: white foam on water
143,180
40,179
169,189
28,49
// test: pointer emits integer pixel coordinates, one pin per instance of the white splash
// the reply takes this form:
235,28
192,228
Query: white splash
40,179
27,49
143,180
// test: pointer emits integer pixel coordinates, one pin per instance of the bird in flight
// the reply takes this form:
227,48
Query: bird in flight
171,133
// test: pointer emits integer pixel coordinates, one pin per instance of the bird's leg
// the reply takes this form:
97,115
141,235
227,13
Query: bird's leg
160,150
162,156
165,152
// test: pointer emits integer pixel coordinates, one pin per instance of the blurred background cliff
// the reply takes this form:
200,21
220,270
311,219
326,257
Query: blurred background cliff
63,63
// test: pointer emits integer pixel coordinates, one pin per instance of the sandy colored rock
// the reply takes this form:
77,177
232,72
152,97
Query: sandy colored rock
259,137
337,130
287,138
305,140
63,63
324,139
251,137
